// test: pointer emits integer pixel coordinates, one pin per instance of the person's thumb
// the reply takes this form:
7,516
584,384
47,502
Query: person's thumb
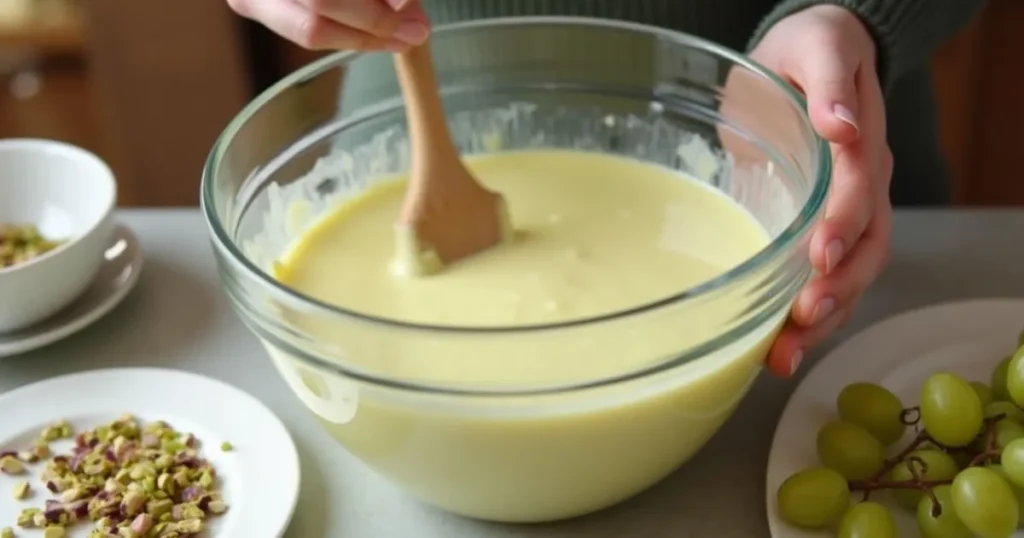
829,81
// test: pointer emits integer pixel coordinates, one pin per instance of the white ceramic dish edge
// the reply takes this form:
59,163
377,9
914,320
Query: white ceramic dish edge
967,337
124,262
68,192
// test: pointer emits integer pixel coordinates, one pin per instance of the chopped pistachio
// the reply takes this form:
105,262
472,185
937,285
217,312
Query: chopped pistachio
226,447
51,434
165,482
71,494
96,467
172,446
22,490
132,480
113,486
124,476
20,243
164,462
53,531
181,478
41,449
159,507
25,518
58,484
190,526
7,532
188,511
217,507
11,465
142,523
133,502
66,431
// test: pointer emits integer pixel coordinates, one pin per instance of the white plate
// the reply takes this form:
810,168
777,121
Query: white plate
259,478
968,338
115,278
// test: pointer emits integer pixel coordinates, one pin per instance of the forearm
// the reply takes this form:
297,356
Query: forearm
907,32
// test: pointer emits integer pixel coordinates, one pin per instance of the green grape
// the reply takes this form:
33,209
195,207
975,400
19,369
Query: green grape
813,498
950,410
1015,378
1012,461
1011,411
960,457
984,393
998,381
985,502
1007,431
938,466
947,525
867,520
874,408
850,450
1018,493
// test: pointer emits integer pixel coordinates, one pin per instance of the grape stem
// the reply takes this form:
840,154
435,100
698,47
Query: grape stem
991,451
870,485
910,416
984,457
917,466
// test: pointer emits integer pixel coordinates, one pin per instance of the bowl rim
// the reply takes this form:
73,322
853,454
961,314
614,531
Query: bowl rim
42,147
793,233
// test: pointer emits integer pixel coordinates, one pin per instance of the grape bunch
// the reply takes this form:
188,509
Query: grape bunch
962,475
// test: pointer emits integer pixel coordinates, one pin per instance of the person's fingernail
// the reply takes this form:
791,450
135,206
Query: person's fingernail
795,360
833,255
840,111
412,32
396,46
823,309
397,5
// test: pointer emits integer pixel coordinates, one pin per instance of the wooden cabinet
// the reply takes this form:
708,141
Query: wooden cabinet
50,99
169,77
147,85
45,91
980,84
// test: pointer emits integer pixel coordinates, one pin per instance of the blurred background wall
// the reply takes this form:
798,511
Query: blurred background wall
123,79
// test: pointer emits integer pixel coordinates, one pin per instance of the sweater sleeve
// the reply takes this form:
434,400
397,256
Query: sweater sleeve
907,32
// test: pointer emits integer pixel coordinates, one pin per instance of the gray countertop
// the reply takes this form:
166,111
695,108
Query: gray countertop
178,317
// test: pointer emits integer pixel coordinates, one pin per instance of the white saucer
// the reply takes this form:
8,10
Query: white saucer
259,477
968,338
116,277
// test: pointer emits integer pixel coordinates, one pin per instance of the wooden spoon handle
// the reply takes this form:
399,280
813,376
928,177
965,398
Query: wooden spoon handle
428,127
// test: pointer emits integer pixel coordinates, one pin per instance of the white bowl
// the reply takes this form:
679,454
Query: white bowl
68,193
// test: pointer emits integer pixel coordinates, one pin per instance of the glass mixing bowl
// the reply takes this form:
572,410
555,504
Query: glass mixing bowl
501,448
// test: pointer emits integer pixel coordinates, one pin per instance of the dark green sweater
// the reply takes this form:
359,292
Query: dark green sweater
907,33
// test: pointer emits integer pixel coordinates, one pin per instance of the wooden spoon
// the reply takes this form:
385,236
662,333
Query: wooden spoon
447,215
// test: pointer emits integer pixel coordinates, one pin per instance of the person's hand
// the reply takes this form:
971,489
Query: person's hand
393,25
827,53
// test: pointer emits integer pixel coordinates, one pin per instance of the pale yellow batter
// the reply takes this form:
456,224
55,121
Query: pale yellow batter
598,234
